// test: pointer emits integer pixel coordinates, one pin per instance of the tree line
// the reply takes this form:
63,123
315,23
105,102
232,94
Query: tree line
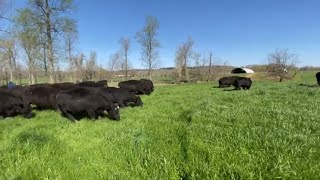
46,34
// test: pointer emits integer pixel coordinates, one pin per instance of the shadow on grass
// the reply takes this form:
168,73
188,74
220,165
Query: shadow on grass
309,85
85,116
32,115
217,87
231,89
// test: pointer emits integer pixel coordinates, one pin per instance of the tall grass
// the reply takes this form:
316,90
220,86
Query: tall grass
185,131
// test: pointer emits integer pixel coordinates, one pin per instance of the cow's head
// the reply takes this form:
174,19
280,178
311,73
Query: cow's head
138,101
26,110
113,112
20,108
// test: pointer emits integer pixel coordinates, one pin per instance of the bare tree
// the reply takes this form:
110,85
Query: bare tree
200,62
78,62
59,73
49,15
102,73
70,37
43,55
125,46
183,54
30,47
28,34
147,38
280,63
197,65
8,51
113,63
179,65
91,66
19,72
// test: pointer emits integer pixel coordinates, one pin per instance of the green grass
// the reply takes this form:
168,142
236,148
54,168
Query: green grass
185,131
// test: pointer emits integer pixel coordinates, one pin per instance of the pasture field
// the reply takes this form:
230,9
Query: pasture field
188,131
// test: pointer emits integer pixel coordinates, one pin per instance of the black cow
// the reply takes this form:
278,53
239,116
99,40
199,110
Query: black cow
318,78
122,97
17,91
63,86
227,81
102,83
12,105
40,85
148,84
135,86
242,82
42,96
90,101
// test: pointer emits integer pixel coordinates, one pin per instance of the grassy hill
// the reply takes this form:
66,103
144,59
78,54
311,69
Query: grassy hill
188,131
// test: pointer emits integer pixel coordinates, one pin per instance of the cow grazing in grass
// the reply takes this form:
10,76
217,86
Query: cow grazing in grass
318,78
227,81
12,105
88,101
122,97
242,82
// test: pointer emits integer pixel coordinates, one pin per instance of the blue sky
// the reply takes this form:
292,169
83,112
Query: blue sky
241,32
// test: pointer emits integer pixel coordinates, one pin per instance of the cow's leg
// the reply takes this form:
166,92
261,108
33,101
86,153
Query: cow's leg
92,114
122,103
70,116
66,113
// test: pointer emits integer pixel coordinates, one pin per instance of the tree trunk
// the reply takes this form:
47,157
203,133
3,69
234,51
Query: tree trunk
30,75
150,73
45,60
210,63
71,75
186,72
35,79
11,75
187,75
20,78
7,77
52,76
70,59
112,76
126,64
